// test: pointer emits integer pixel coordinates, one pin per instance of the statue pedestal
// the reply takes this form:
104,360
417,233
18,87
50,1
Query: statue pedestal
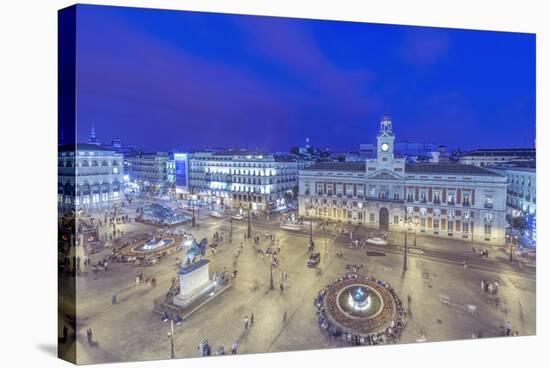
194,283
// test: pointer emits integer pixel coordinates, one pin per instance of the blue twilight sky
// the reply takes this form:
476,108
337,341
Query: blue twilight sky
163,79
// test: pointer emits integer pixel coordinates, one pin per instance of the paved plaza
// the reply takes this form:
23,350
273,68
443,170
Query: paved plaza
440,291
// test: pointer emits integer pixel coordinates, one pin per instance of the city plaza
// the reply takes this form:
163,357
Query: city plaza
406,254
440,290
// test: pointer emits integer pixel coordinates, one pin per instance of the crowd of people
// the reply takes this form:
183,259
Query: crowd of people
482,252
490,287
205,349
390,333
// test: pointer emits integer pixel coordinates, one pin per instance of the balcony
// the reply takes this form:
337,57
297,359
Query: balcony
437,201
384,199
451,203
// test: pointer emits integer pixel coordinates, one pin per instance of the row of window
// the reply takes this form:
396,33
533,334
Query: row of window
86,163
436,224
88,199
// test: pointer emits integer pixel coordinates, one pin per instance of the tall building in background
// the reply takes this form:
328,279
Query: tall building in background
497,156
93,137
447,200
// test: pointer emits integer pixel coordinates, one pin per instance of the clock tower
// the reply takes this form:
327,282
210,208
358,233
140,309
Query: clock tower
385,140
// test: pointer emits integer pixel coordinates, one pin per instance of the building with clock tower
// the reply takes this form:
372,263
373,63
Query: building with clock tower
385,193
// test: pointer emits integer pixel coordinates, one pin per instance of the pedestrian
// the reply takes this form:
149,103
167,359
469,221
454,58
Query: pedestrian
474,250
114,299
64,336
90,338
234,347
246,322
284,318
281,287
508,328
251,319
201,349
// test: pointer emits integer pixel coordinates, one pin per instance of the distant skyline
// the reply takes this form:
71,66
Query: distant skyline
161,79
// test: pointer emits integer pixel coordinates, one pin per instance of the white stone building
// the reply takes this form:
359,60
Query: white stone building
522,192
447,200
89,176
497,156
234,177
153,172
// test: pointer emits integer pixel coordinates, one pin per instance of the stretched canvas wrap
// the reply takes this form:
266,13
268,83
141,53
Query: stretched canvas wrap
235,184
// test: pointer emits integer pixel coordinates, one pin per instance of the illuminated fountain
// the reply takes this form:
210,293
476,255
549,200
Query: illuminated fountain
152,247
358,305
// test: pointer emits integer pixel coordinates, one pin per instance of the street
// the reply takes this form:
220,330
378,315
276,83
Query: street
286,320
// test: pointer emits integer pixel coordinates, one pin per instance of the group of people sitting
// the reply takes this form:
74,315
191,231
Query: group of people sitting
392,332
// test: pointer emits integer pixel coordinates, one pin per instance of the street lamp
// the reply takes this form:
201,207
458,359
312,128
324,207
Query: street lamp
173,319
249,229
406,223
309,210
193,211
231,230
415,230
271,287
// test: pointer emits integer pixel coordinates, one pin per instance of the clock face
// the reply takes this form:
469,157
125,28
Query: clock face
385,147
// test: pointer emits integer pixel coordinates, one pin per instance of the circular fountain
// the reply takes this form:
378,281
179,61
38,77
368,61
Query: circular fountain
358,305
359,301
153,246
154,243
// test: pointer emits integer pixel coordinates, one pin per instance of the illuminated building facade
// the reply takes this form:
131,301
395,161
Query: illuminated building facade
522,192
90,175
153,172
235,178
457,201
498,156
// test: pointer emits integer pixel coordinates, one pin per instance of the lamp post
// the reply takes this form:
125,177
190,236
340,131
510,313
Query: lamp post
271,287
249,230
415,230
406,222
177,320
231,230
405,255
193,220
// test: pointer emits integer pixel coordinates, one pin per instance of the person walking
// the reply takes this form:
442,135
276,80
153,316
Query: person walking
234,347
246,322
282,288
508,328
114,300
284,317
251,319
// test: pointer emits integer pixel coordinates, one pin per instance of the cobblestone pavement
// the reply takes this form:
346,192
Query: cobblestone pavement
130,330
